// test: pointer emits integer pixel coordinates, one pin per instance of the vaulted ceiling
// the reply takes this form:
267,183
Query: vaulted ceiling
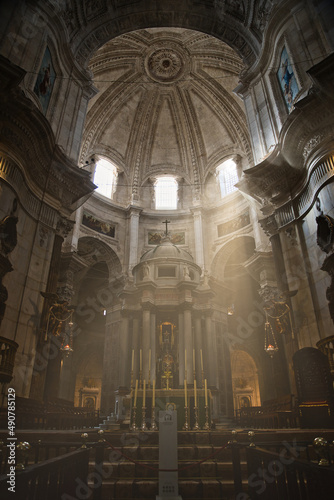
165,104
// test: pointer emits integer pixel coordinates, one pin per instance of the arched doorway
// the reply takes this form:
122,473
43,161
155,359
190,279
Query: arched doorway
245,380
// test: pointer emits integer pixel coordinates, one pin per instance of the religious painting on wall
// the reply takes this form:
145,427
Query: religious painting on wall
287,79
45,80
98,225
176,237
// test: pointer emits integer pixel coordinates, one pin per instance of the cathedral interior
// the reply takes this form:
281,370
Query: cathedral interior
167,216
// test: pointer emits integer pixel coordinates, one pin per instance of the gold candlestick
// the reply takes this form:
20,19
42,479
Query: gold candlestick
206,425
149,369
143,423
194,364
196,425
154,426
131,383
186,424
133,425
140,379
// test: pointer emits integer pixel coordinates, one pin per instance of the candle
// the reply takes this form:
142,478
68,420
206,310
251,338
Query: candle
185,360
144,393
136,391
153,397
201,360
149,360
206,392
140,360
195,392
133,359
185,393
194,364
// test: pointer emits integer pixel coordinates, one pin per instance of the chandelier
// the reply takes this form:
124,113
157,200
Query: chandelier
270,343
60,323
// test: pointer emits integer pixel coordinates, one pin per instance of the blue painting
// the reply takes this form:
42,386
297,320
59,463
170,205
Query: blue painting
45,80
287,79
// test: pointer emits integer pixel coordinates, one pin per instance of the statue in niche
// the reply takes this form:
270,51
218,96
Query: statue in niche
186,273
146,271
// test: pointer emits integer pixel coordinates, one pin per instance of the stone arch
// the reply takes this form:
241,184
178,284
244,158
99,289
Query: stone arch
241,247
93,250
209,19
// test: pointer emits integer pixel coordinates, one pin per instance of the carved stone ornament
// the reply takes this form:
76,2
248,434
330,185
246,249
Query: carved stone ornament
165,65
269,294
64,226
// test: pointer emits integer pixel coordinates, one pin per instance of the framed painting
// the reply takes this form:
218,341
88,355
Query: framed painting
45,80
287,79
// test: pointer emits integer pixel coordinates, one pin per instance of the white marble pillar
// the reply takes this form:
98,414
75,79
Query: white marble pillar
198,346
181,349
146,336
133,231
136,348
76,228
210,352
124,347
153,345
199,240
188,344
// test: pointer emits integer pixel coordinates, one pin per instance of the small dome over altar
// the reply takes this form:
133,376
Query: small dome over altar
167,265
166,250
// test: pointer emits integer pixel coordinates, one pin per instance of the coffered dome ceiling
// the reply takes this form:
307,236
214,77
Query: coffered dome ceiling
165,104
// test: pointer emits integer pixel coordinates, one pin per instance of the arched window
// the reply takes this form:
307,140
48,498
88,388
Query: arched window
105,178
166,193
227,176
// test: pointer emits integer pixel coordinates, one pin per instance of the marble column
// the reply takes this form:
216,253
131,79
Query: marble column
198,346
136,348
199,240
146,341
188,343
153,345
76,228
124,354
210,352
181,349
133,243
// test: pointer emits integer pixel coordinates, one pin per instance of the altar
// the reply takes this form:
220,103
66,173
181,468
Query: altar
172,398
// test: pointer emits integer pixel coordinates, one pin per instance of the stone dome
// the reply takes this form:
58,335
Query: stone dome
166,250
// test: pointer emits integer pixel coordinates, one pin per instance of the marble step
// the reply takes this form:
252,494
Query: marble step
187,469
189,489
148,453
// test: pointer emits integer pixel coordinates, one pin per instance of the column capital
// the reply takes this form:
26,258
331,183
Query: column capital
133,211
64,227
